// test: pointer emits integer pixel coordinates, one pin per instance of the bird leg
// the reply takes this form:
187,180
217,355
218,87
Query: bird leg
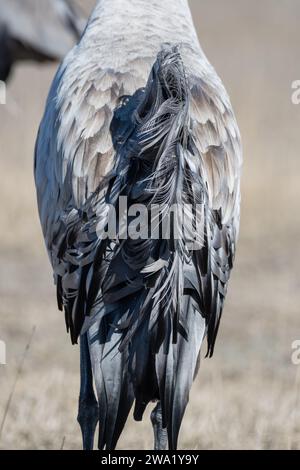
88,413
160,433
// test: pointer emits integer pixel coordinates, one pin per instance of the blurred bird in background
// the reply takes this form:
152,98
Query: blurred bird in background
38,30
137,111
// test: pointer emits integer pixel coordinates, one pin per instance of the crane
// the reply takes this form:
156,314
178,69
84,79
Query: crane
39,30
138,124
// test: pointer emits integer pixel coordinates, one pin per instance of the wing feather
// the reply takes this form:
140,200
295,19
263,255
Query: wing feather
217,139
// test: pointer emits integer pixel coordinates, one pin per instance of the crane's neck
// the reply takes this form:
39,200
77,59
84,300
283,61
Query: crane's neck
135,6
137,23
121,6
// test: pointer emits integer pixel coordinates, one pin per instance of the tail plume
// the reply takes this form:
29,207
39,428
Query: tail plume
151,329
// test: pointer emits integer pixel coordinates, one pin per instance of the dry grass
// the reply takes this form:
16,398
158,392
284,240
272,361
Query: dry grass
247,396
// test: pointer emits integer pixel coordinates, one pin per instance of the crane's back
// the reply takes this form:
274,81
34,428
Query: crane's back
137,113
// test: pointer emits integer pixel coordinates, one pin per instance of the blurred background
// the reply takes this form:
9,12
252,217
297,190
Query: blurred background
247,396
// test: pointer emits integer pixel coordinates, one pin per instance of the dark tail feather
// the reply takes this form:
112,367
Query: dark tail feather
115,392
149,345
175,371
184,327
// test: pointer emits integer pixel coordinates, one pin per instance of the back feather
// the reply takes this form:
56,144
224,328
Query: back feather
153,299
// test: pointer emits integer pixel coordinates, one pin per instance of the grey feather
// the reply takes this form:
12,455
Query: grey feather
152,122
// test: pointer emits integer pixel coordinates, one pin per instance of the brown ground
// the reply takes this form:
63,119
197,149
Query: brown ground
247,396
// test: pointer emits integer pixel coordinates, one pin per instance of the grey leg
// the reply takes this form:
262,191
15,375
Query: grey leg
160,433
88,413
